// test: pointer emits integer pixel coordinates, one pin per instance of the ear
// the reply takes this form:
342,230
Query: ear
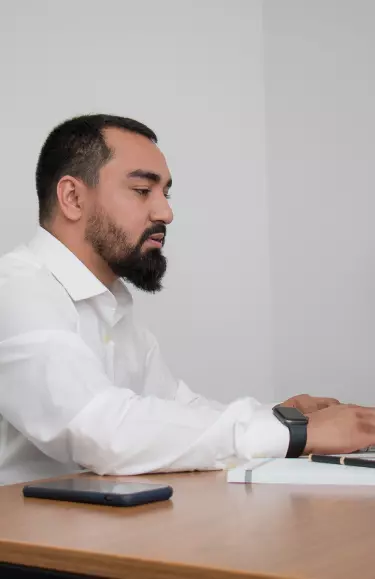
70,196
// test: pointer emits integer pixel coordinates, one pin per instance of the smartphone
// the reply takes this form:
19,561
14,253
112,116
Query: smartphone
99,492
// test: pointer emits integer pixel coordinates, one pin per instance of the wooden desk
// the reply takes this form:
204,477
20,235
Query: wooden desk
210,530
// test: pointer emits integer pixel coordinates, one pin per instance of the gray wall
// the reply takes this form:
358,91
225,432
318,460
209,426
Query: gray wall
265,113
193,71
320,128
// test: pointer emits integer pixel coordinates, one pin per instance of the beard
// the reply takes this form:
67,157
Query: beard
144,270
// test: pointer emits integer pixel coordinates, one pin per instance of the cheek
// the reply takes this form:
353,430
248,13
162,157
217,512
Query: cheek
128,213
131,217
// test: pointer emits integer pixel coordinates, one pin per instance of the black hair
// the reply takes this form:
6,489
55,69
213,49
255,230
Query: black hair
77,147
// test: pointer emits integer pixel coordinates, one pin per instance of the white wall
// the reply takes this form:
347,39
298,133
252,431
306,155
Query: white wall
320,94
193,71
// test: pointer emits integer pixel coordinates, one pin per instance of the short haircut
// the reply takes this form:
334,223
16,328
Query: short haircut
77,147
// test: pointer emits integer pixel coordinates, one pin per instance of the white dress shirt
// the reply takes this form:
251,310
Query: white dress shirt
82,386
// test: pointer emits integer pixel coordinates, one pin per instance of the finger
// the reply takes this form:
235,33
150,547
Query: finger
363,409
365,416
332,401
364,422
326,402
368,428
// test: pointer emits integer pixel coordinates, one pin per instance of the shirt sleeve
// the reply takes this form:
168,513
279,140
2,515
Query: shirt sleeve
54,391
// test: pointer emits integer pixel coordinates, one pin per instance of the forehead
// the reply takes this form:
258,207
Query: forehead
133,151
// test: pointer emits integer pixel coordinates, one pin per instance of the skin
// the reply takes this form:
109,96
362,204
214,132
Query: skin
133,203
136,203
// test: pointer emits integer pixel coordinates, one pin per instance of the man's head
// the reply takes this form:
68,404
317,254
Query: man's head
103,186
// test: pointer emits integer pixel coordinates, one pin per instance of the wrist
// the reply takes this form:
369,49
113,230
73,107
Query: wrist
297,423
310,442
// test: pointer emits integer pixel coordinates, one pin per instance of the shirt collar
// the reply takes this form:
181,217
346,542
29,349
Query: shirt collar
77,279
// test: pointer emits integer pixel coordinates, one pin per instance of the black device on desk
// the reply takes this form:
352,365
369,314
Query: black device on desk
98,491
296,422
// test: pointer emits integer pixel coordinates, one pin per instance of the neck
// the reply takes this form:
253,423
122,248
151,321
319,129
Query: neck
82,249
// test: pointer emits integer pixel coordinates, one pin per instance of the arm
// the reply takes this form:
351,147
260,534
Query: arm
54,391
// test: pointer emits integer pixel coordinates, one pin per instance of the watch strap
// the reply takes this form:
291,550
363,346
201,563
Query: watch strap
297,440
297,429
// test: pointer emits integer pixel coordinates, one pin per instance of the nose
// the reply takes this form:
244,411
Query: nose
161,210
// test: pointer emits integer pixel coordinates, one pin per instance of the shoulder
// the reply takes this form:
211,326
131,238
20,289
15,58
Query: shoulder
31,298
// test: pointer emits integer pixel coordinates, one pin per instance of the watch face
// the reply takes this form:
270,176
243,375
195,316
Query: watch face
291,414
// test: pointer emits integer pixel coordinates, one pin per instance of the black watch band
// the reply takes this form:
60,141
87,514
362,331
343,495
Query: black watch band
297,425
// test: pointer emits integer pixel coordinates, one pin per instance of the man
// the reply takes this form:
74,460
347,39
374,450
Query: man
81,384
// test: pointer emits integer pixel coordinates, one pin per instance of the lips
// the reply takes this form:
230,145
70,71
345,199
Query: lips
156,240
157,237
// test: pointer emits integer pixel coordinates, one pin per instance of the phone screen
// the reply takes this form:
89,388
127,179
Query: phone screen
90,484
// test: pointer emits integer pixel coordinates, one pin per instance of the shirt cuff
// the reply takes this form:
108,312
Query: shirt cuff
265,437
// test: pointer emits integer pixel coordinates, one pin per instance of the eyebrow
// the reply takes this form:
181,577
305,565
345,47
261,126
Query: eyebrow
149,175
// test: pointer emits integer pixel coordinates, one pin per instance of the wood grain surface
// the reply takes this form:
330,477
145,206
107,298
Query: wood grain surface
210,529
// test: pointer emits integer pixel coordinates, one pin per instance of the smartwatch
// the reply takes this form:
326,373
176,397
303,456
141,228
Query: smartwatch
297,425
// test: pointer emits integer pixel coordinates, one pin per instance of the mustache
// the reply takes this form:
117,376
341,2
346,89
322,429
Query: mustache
157,228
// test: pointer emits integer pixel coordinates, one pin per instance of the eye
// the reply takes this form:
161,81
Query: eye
167,195
142,191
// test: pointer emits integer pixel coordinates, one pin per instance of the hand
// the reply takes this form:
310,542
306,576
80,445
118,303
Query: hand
340,429
307,404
